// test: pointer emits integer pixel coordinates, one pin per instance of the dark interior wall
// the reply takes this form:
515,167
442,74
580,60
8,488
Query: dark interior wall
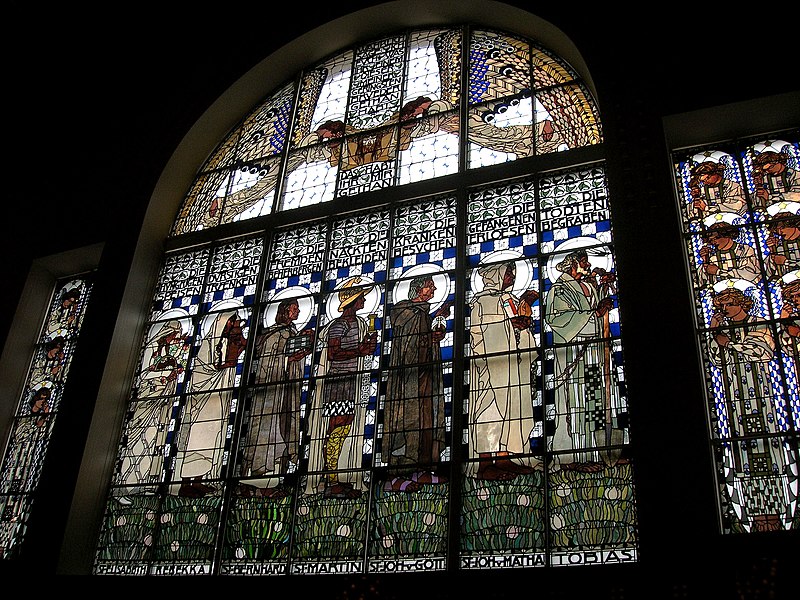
97,111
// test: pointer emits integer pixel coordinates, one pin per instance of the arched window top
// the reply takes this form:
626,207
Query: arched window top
407,107
400,223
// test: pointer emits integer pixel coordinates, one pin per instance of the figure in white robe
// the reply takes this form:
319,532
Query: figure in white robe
204,422
164,360
774,178
783,242
501,420
723,257
712,192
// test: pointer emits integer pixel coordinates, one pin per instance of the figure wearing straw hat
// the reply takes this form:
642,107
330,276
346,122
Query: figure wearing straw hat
347,340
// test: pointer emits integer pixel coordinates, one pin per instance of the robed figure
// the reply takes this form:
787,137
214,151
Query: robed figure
414,419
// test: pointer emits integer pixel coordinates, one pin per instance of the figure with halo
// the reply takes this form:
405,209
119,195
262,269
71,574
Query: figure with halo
273,430
783,241
223,339
586,396
503,344
713,188
741,346
414,421
723,255
162,368
775,175
790,320
335,423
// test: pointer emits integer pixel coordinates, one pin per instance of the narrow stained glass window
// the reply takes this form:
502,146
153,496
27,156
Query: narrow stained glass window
740,204
38,409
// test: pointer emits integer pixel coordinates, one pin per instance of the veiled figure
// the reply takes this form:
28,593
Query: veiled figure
501,420
202,431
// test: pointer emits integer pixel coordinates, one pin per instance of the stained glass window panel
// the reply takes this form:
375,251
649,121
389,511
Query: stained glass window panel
387,113
164,509
723,255
264,131
424,233
315,402
548,70
432,149
411,505
711,184
340,423
547,424
499,67
566,118
368,161
238,181
434,66
500,132
324,97
558,117
771,167
376,85
739,206
585,406
251,191
38,409
503,484
346,412
296,260
202,208
312,176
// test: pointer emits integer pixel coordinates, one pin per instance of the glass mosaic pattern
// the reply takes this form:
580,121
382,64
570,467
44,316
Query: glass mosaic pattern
429,381
38,409
313,413
739,202
389,113
545,426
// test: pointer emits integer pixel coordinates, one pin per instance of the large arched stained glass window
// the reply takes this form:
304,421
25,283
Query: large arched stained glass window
423,380
739,203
